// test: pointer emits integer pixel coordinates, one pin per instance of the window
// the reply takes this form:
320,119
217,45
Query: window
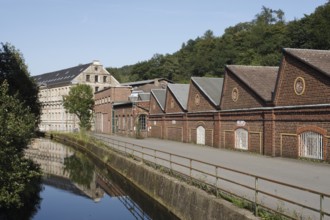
96,78
96,68
142,122
311,145
104,79
241,139
88,78
96,88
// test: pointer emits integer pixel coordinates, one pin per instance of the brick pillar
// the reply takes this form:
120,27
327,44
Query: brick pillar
217,130
185,128
163,127
269,134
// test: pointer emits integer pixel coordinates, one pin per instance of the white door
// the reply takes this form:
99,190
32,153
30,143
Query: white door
241,139
201,135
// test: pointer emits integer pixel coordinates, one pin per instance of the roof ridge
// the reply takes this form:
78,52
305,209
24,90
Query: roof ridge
305,49
65,69
249,66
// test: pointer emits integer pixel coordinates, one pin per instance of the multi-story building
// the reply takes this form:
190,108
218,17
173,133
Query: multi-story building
54,85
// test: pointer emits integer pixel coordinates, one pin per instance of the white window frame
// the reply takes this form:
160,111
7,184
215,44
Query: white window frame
311,145
241,139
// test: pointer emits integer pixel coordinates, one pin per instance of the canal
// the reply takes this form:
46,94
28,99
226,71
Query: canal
76,187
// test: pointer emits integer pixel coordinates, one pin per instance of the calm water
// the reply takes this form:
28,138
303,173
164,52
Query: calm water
76,187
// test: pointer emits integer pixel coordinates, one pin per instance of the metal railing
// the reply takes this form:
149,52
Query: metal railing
233,182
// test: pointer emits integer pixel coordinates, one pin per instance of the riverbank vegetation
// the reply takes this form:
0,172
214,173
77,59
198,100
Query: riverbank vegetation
257,42
20,178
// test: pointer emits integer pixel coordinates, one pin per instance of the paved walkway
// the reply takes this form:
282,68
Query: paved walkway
306,174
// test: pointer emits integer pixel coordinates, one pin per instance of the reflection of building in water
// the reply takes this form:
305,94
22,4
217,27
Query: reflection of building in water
51,155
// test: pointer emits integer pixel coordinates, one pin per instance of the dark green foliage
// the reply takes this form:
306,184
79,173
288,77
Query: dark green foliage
14,70
258,42
17,123
20,178
80,102
18,175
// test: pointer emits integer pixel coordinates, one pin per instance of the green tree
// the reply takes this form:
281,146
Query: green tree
14,70
20,178
80,102
17,125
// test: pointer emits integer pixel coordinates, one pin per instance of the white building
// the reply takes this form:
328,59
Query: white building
54,85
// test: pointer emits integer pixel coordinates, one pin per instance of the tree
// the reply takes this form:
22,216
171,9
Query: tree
14,70
80,102
20,178
17,125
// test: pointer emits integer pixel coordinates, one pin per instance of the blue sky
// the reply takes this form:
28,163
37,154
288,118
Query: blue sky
57,34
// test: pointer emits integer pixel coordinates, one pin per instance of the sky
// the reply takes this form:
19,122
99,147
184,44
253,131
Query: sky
58,34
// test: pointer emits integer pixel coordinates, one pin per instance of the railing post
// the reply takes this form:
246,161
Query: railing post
216,181
142,155
256,195
171,162
155,159
190,166
321,206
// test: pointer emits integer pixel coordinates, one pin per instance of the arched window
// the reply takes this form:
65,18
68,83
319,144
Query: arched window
241,139
143,122
311,145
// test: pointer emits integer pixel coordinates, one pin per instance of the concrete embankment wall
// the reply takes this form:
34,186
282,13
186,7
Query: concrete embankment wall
185,201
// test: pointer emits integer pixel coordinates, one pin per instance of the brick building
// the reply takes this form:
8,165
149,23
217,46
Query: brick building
124,109
277,111
103,107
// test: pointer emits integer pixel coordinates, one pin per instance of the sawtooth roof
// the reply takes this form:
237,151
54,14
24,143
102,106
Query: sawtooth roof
318,59
181,93
261,79
211,87
160,96
64,76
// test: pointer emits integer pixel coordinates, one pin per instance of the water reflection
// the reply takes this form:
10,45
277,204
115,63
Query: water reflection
69,171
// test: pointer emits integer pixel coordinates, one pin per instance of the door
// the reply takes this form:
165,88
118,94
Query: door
200,135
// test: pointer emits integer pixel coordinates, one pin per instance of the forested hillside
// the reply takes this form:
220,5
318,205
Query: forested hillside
258,42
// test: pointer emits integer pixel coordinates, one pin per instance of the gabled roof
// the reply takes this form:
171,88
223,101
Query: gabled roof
64,76
180,92
211,87
261,79
144,96
143,82
318,59
160,96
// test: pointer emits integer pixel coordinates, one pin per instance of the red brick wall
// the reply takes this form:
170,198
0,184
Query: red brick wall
174,126
317,86
172,105
207,120
204,103
246,97
154,106
251,121
290,123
